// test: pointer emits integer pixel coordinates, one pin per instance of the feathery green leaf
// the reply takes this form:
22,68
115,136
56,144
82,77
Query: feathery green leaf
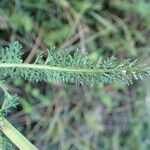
65,67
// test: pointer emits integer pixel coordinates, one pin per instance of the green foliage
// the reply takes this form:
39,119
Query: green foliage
139,6
9,100
56,36
5,143
10,55
114,116
71,68
21,21
67,68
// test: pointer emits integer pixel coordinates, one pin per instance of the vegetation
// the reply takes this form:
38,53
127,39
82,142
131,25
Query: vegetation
75,115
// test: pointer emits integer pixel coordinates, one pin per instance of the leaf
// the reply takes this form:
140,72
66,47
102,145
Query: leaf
76,68
9,102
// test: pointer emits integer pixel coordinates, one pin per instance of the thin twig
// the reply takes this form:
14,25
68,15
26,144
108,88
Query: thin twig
34,49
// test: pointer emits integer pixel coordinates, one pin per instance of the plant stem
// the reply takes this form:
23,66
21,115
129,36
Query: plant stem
76,70
15,136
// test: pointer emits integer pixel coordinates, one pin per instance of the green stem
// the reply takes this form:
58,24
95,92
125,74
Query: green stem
77,70
15,136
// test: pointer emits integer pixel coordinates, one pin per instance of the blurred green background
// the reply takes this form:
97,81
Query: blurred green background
59,116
